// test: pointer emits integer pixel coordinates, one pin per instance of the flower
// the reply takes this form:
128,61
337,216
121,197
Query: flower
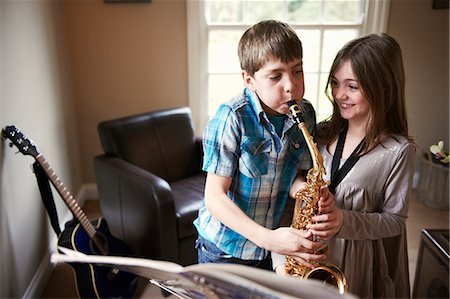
439,153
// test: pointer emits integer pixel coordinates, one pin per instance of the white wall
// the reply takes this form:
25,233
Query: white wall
35,95
423,34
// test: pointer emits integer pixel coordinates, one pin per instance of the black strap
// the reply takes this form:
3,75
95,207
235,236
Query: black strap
337,175
47,196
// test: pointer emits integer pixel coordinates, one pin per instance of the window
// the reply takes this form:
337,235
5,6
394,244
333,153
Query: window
324,26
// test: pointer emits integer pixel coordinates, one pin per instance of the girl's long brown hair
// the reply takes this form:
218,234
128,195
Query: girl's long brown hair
377,63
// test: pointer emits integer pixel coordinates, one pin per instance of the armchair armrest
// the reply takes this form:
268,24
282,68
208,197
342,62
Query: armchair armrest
199,148
138,207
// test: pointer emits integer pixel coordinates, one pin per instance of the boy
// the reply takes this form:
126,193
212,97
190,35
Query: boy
252,154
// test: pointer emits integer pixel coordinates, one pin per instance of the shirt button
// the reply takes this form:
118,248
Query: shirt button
296,145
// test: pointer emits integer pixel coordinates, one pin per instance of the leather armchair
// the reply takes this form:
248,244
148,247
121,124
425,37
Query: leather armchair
150,182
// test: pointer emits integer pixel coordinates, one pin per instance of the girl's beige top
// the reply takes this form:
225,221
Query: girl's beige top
371,246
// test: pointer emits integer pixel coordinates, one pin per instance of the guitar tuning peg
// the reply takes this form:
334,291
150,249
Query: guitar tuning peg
10,144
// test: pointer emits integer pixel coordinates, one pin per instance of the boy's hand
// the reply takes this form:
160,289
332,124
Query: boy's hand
329,221
281,270
280,264
295,243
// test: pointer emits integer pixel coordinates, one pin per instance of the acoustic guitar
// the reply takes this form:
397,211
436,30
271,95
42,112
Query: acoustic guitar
82,235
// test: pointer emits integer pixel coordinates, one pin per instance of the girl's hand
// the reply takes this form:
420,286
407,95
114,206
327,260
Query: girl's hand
327,225
330,218
326,201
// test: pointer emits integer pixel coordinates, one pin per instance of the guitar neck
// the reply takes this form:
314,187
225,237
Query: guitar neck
70,201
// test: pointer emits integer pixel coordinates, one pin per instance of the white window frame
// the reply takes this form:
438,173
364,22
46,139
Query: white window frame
376,11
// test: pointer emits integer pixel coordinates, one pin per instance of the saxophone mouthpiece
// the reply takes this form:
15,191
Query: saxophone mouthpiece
295,111
291,103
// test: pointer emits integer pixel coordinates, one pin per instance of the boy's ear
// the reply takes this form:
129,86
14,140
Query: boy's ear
248,80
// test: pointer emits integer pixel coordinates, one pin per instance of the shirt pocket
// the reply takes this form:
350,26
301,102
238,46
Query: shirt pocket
255,153
299,156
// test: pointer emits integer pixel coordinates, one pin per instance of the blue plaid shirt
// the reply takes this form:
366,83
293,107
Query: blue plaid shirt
240,142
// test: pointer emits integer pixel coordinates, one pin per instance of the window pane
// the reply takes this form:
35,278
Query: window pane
224,11
223,88
261,10
320,44
303,11
222,51
342,11
333,41
311,44
325,106
311,82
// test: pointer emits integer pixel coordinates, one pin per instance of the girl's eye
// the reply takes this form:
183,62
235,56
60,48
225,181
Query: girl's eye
333,83
353,87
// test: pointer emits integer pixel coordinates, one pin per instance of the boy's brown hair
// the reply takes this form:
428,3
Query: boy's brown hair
265,40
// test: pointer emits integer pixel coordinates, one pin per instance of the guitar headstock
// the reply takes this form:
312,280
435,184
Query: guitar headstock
25,145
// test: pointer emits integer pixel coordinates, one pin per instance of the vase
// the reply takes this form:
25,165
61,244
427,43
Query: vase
433,184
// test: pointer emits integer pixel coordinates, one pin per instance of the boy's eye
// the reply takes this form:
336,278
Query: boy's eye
275,77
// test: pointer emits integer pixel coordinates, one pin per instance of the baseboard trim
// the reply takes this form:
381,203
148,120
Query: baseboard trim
42,275
40,278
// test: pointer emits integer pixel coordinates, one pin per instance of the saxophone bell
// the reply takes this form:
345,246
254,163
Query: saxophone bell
329,274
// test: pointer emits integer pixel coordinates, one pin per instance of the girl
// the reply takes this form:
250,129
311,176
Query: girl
369,158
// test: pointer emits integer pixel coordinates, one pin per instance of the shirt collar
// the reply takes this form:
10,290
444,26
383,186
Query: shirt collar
256,104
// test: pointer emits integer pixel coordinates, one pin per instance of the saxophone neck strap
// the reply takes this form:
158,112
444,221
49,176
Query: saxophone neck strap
338,174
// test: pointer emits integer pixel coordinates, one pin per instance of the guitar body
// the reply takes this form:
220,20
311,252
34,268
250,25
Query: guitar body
95,281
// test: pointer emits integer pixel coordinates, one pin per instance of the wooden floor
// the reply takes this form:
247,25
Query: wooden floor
62,285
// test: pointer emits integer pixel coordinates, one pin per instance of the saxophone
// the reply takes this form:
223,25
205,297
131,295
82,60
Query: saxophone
306,207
